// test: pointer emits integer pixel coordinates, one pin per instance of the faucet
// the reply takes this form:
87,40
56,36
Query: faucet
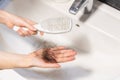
79,4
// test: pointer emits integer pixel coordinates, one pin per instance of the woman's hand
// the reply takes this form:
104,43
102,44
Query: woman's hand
59,55
37,58
11,20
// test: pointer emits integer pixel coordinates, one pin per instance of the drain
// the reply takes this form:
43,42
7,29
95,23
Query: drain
77,25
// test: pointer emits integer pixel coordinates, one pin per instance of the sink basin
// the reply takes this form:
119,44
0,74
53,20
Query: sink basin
98,49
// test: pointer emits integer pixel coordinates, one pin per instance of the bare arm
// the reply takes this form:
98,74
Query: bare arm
9,60
11,20
35,59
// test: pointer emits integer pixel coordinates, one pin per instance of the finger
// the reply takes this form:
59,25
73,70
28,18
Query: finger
29,24
67,59
29,21
23,23
25,33
20,32
31,27
33,23
64,53
32,32
57,48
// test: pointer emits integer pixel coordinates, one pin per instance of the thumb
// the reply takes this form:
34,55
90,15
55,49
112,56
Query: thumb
28,24
31,27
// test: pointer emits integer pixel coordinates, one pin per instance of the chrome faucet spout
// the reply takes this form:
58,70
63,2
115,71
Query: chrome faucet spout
79,4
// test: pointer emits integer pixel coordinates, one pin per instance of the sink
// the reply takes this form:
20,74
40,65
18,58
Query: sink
97,47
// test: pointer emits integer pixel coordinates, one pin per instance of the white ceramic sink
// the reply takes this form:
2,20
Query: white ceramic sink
96,43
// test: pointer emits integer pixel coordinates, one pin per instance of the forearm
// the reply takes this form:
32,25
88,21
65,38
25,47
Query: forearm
8,60
3,17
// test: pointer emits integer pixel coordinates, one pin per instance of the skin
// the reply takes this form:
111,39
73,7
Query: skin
33,59
11,20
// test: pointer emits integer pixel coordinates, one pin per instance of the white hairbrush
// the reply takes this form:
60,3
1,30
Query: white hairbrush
52,25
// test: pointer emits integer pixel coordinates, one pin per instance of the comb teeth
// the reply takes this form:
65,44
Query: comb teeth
57,24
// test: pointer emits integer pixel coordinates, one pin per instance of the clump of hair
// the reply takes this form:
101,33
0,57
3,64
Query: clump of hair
48,56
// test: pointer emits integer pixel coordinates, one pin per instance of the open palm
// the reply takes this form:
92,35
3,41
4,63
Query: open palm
57,55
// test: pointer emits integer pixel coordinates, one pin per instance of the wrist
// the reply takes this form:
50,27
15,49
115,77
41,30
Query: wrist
24,61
